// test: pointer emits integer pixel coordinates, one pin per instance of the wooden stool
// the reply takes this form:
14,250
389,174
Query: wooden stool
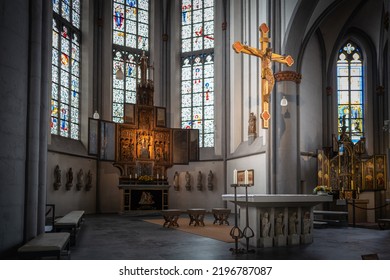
221,215
171,216
196,216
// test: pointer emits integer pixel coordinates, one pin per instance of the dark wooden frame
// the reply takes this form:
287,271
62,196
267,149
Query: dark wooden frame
107,141
194,145
160,117
93,137
130,113
180,139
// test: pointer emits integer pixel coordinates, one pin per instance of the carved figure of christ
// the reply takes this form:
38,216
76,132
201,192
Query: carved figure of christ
267,77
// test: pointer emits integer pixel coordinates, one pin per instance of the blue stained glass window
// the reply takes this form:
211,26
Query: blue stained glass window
197,69
66,68
350,91
130,32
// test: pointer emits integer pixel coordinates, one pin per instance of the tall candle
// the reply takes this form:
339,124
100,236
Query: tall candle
235,176
136,175
158,176
246,177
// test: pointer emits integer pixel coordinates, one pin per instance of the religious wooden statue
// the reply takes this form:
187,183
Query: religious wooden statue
80,178
252,124
199,185
69,182
267,77
57,178
210,184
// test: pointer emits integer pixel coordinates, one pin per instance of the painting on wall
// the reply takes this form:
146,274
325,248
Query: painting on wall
107,141
241,177
180,153
160,117
93,134
130,113
194,145
380,172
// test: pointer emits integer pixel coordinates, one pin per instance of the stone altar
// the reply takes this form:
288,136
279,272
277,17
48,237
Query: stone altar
137,198
282,209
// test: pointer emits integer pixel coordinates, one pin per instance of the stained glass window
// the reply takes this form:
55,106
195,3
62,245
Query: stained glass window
66,61
350,91
130,33
197,68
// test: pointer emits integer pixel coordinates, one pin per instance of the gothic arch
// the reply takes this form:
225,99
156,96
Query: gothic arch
369,53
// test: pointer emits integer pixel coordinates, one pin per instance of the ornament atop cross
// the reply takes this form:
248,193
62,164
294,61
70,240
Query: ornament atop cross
267,77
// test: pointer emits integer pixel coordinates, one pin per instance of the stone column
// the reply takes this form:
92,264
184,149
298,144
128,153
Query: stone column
285,156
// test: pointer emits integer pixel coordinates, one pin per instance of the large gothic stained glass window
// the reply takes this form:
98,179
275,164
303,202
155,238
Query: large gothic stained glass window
66,61
350,91
130,33
197,68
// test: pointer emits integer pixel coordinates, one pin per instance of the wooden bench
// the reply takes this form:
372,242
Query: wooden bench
48,244
329,217
71,223
383,223
171,216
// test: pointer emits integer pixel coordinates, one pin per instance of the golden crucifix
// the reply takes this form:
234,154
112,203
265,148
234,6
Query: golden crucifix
267,77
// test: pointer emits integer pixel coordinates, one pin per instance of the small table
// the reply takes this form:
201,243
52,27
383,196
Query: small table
171,216
221,215
196,216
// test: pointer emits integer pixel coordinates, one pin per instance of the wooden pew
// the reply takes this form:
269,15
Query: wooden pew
48,244
71,223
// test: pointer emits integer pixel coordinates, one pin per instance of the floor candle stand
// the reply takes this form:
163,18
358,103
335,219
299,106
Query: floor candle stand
236,232
248,231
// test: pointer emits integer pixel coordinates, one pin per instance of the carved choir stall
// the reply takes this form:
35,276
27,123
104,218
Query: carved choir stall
346,170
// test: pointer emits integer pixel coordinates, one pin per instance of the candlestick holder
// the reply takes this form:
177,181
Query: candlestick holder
236,232
248,231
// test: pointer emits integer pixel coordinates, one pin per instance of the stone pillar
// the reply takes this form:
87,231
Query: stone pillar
285,156
24,65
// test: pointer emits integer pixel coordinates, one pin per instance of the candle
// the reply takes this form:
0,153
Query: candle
235,176
158,176
135,175
162,177
246,177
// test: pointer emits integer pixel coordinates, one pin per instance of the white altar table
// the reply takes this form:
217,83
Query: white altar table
278,220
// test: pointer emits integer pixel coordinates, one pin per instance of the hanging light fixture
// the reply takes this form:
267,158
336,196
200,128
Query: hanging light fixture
284,102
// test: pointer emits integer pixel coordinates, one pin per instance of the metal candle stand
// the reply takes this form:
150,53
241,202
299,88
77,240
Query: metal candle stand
236,233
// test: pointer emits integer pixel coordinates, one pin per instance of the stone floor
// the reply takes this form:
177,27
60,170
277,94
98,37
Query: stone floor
122,237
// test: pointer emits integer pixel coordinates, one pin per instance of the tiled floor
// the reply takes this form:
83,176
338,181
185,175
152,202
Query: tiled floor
117,237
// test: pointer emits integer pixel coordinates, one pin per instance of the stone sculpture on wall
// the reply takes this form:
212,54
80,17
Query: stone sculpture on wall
176,185
88,184
210,184
188,181
199,184
80,179
57,178
69,179
265,225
